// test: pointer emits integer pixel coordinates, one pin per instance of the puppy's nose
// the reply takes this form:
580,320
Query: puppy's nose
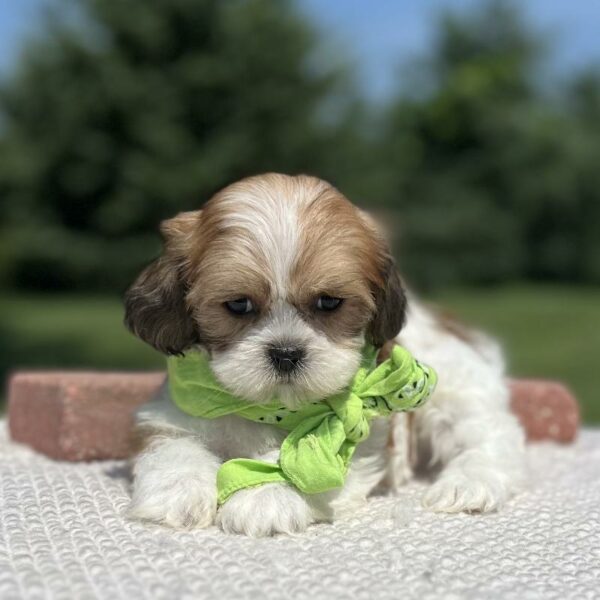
285,358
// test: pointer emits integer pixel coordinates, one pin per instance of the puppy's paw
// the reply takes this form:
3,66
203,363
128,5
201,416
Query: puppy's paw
265,510
456,492
185,504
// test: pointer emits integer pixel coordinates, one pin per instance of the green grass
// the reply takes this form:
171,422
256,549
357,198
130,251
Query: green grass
551,332
69,331
547,331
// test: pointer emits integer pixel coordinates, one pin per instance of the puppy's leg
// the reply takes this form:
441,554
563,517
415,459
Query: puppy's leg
175,483
466,427
265,509
478,443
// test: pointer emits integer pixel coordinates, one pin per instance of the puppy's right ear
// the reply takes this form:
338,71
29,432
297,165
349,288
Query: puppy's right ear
155,307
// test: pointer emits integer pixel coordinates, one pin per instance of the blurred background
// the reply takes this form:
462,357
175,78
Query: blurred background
472,127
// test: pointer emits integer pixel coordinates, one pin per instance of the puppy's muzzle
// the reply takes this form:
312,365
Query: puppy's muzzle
286,359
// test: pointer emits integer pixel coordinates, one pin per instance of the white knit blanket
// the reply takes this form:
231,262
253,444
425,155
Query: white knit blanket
63,536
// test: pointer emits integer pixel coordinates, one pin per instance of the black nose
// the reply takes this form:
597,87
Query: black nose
285,358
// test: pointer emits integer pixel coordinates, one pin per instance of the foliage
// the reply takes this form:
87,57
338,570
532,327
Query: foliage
112,123
118,122
496,182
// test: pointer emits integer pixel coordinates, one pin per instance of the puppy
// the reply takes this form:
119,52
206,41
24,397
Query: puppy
281,280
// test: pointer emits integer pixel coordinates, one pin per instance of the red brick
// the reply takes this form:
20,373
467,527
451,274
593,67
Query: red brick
77,415
547,409
88,415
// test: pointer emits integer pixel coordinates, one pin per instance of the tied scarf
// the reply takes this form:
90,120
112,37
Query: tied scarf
323,435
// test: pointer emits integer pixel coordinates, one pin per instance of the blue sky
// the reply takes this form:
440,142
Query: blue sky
378,34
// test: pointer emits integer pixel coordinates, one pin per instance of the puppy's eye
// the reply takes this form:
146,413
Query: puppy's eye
240,306
328,303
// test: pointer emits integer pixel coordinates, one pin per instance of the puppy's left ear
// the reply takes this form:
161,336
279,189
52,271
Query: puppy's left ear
390,307
389,294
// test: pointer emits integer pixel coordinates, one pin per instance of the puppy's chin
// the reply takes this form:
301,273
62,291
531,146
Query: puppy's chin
245,370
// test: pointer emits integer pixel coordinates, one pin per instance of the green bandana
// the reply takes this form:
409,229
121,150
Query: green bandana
315,455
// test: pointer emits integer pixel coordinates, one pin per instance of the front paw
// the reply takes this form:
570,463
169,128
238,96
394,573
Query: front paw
265,510
457,492
183,504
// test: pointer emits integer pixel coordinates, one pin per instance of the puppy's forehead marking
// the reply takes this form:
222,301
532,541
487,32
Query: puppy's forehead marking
267,211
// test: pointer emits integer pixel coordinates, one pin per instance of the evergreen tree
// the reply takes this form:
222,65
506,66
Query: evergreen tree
486,166
136,110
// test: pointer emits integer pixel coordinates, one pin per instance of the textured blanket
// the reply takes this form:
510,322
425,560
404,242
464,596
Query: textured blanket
62,535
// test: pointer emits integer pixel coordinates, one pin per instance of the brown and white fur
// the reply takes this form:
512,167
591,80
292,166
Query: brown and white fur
283,242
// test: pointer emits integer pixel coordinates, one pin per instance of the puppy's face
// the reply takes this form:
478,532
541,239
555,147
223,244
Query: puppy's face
281,279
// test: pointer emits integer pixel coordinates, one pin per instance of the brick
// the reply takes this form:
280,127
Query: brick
547,409
77,415
88,415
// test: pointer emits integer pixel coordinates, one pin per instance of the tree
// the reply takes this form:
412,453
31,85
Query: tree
583,104
486,166
138,110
